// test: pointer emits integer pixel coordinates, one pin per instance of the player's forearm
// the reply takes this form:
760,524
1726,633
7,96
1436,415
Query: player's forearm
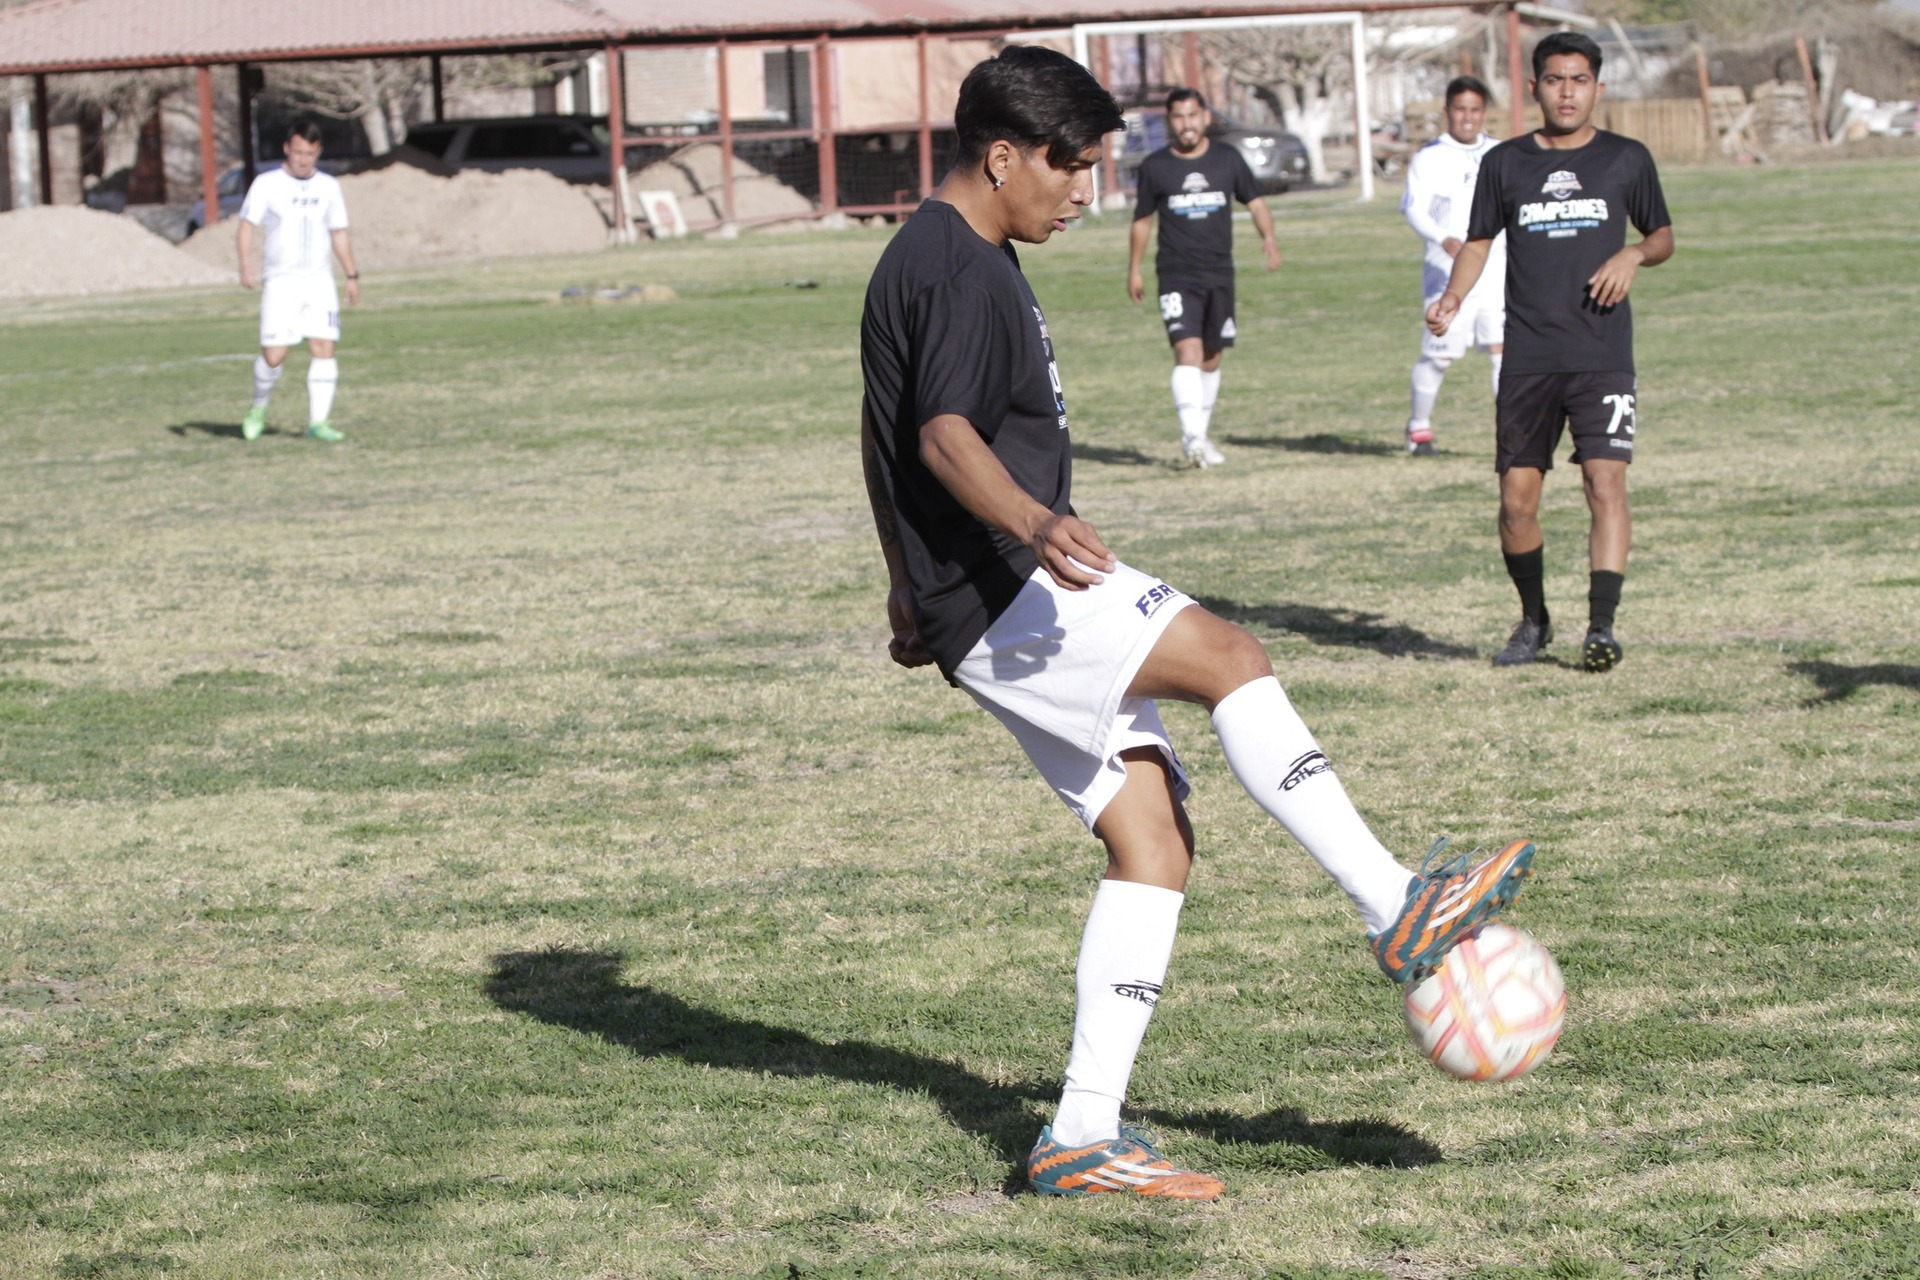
1467,266
343,250
1137,243
1262,219
243,242
885,522
961,461
1656,247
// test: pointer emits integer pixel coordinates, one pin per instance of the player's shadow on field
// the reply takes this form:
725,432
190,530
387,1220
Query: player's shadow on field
1838,683
1114,457
582,990
1320,442
1347,628
229,430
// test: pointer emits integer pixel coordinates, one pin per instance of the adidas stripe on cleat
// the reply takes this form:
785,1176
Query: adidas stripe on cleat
1129,1164
1447,903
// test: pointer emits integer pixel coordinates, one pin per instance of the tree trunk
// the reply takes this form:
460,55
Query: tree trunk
372,114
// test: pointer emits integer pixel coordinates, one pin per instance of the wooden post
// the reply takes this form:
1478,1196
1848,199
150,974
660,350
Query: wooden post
249,162
439,88
1814,114
617,145
823,125
726,134
209,160
1193,59
1706,97
43,128
1515,81
926,124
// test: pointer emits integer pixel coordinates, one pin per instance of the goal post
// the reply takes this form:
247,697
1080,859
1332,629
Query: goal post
1354,21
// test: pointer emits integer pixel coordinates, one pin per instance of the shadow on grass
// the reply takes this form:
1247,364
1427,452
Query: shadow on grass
582,990
229,430
1116,457
1344,627
1838,683
1320,442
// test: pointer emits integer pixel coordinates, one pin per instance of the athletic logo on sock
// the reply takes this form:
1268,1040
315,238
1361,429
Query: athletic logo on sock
1146,993
1305,767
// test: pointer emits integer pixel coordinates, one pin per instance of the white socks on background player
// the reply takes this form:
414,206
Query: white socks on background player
1190,401
322,375
1428,373
1273,754
1123,963
265,376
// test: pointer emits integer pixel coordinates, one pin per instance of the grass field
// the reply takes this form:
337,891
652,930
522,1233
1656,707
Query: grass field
498,845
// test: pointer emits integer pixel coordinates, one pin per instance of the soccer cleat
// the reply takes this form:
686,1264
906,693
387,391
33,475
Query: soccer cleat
1525,644
1446,904
1128,1163
1423,449
1201,453
253,423
324,431
1600,652
1420,441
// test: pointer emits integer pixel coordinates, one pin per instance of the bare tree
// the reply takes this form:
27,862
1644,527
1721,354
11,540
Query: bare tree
1301,73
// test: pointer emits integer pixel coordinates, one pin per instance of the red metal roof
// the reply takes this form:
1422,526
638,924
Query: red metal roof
80,35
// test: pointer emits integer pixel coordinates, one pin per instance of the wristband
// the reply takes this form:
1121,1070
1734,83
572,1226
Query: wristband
353,275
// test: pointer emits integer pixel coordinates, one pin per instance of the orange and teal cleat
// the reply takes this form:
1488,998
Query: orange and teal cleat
1129,1163
1446,904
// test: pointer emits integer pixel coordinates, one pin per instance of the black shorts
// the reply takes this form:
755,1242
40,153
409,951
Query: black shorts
1203,311
1532,409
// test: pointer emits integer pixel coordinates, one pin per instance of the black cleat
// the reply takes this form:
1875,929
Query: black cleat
1423,449
1525,644
1600,652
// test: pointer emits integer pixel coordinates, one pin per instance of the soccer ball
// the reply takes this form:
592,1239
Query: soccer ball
1493,1008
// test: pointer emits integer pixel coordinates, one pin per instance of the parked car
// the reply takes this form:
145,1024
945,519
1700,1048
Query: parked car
572,147
233,192
1278,158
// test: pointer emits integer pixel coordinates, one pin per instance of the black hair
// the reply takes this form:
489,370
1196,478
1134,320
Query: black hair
1468,84
1032,97
306,131
1187,95
1565,42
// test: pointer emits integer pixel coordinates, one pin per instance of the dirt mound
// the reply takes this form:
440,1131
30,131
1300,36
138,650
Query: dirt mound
404,216
66,249
693,174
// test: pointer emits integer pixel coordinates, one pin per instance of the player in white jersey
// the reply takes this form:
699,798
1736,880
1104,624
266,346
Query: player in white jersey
1438,198
303,217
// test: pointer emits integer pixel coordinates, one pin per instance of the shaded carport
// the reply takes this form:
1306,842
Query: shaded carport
54,37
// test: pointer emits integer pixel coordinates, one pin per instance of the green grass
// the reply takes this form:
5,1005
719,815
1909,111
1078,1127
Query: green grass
498,845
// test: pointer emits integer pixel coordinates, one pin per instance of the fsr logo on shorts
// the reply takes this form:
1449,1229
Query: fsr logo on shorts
1151,603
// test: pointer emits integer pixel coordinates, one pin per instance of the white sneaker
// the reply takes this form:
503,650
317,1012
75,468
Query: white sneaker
1201,453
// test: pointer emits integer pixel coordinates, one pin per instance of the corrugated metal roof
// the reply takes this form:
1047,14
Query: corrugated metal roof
76,35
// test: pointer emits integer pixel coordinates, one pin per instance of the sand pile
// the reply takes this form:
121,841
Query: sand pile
403,216
693,175
65,249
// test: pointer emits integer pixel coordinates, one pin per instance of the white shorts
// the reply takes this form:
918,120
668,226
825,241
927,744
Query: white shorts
295,308
1054,668
1480,323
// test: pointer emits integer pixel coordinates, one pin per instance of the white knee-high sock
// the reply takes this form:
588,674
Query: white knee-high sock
1428,373
264,377
1272,753
1209,394
322,375
1496,375
1123,962
1190,401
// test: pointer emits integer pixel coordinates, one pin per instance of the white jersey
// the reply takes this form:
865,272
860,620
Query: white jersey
299,218
1437,203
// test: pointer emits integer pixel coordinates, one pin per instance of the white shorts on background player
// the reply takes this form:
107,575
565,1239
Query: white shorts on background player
296,308
1054,669
1480,323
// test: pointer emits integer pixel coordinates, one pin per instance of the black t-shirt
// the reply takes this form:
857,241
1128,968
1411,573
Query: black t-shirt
1565,213
1194,197
951,327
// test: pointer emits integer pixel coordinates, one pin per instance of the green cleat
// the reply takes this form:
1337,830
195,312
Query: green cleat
323,431
254,423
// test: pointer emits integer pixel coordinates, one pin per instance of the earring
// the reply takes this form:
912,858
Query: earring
997,182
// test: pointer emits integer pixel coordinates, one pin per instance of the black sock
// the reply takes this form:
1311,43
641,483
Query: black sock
1603,597
1527,569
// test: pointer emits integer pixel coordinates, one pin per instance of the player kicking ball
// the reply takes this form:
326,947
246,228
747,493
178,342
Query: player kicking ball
303,216
1563,196
995,579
